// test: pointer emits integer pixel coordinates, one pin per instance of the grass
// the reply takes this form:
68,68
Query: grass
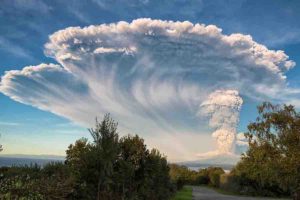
184,194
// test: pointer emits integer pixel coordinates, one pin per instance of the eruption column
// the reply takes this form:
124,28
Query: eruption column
223,107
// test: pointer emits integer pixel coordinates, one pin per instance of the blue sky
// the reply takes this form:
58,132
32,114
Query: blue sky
26,27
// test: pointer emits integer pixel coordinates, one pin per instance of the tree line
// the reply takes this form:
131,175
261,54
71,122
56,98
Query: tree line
109,167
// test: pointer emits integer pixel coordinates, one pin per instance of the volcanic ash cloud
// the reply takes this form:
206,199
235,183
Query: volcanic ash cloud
153,76
223,108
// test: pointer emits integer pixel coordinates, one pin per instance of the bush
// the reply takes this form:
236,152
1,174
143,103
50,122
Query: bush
230,182
214,175
203,179
180,183
33,182
181,175
214,179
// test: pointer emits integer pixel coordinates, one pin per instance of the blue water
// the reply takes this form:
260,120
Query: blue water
7,162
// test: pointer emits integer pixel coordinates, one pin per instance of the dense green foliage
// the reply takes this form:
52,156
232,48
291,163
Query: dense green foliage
108,168
53,181
185,176
271,166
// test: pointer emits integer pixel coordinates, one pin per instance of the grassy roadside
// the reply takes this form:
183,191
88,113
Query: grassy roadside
184,194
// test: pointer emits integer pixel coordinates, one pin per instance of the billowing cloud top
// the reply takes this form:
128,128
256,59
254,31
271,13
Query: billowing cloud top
151,75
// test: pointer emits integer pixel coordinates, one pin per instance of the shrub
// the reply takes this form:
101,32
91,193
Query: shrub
203,179
214,175
214,179
230,182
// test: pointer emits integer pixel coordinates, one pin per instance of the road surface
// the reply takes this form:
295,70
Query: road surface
203,193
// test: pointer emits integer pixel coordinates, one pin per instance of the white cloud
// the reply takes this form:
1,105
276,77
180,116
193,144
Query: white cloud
151,75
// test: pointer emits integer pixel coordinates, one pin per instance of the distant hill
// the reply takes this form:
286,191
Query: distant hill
226,161
20,159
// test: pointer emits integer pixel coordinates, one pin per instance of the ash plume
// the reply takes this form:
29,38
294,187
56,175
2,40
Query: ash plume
223,109
157,78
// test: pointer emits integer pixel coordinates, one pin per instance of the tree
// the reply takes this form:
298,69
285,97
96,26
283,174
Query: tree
80,159
182,175
141,174
157,184
93,163
131,165
105,145
112,168
214,174
272,162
